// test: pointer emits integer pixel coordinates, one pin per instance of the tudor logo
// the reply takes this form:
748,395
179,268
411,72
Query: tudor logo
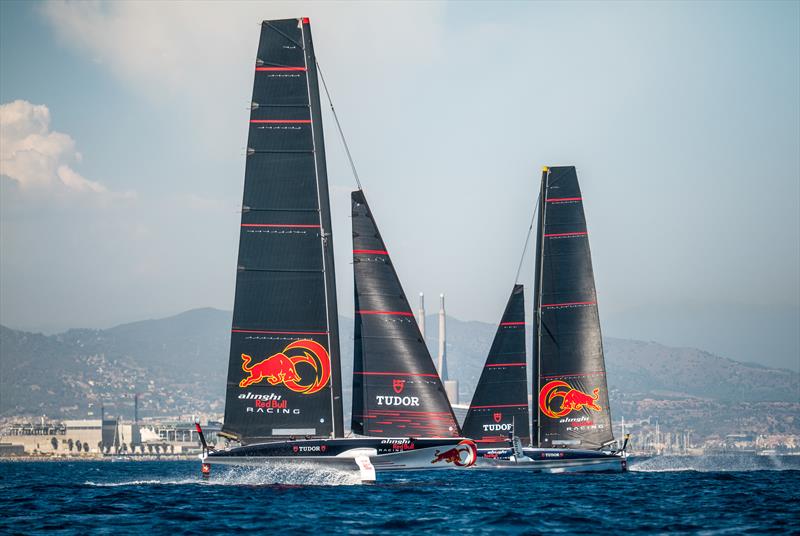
397,400
506,427
497,417
398,386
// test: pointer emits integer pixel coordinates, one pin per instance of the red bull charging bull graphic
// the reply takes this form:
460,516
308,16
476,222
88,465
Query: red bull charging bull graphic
558,398
294,367
462,455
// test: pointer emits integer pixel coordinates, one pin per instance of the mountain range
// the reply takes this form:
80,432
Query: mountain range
178,366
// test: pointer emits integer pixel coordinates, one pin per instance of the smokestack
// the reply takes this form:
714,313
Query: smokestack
442,341
136,408
421,315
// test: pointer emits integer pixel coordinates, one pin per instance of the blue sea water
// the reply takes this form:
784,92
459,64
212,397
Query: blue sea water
660,495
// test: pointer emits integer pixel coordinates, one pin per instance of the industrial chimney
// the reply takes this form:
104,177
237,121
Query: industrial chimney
450,386
421,315
442,340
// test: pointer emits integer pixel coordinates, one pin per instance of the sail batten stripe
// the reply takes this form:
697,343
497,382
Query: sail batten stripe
395,313
279,121
395,374
281,69
269,332
551,235
557,199
505,364
290,225
370,252
523,405
596,373
512,323
565,304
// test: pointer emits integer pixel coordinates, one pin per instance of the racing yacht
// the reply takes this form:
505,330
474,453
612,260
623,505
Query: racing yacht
571,426
284,389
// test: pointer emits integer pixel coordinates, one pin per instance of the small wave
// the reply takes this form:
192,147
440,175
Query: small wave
152,482
715,463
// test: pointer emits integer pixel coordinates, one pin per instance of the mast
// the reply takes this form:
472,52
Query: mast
396,389
284,374
332,310
571,391
501,396
537,306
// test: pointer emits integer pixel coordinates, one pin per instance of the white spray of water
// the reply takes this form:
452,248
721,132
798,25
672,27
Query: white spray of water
716,463
295,474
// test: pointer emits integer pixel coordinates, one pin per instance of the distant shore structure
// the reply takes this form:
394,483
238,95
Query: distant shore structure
421,314
450,386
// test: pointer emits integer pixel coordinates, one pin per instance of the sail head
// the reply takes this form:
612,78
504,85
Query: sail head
284,375
570,390
396,389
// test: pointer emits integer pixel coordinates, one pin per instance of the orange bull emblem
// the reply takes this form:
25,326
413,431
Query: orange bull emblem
282,368
571,399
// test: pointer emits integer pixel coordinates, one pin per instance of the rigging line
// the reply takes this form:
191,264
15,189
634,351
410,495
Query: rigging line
528,237
339,126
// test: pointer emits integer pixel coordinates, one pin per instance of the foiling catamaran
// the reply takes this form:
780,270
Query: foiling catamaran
284,396
571,428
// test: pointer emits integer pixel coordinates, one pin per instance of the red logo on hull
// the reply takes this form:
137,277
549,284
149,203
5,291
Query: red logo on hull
497,417
462,455
571,399
281,368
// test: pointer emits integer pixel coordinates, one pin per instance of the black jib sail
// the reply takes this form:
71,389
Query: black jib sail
396,390
284,374
500,402
569,376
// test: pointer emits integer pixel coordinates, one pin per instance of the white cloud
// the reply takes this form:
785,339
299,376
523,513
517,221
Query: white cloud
37,158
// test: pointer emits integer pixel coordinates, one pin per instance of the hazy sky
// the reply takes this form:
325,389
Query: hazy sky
124,127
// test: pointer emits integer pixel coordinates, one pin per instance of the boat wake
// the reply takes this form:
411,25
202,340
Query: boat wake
716,463
280,475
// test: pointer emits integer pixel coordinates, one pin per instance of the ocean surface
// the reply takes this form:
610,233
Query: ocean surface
711,495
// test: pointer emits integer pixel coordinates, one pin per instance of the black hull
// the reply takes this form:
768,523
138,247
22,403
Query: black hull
369,455
554,460
314,448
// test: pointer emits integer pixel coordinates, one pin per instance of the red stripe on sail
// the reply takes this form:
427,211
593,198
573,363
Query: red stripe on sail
501,406
506,365
297,225
370,252
276,121
512,323
598,373
569,303
397,313
280,68
279,332
394,374
557,199
551,235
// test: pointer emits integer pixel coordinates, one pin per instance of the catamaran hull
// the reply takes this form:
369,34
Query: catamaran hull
554,461
367,455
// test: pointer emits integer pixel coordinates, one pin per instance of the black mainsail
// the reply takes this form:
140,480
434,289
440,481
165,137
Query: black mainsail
284,373
396,389
500,402
569,375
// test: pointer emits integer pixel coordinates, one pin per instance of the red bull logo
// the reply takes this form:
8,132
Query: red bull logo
566,399
282,368
462,455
